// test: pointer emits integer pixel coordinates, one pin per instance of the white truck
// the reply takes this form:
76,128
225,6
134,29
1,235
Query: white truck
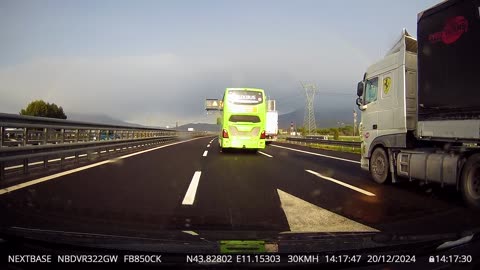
271,125
420,105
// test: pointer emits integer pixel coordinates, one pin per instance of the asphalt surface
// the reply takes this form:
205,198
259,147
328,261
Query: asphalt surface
277,189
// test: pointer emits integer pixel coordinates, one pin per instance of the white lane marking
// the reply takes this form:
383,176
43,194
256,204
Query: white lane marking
208,145
39,162
190,232
35,163
342,183
53,176
205,153
50,177
316,154
192,189
265,154
318,219
14,167
101,152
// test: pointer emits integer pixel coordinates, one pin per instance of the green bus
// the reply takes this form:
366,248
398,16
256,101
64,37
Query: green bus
242,124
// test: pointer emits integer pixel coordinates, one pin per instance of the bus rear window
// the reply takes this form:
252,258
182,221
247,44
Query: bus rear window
244,118
245,97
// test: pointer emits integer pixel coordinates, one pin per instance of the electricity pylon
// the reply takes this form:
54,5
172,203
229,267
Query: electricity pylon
309,119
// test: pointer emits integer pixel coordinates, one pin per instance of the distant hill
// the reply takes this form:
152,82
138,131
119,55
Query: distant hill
199,127
323,119
99,119
105,119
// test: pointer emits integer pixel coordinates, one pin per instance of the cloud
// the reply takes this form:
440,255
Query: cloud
163,88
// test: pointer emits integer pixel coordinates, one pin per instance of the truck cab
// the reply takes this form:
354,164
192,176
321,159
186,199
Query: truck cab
420,104
387,99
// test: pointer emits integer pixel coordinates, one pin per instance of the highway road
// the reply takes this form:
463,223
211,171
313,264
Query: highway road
191,185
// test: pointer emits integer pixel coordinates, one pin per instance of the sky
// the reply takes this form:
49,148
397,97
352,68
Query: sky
155,62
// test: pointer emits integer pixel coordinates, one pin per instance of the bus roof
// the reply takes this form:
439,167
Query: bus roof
245,88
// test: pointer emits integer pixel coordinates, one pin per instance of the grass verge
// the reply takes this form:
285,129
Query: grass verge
339,148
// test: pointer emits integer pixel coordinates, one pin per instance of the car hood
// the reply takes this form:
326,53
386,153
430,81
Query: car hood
232,241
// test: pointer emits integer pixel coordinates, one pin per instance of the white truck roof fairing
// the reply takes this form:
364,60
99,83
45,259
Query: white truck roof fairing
405,41
403,52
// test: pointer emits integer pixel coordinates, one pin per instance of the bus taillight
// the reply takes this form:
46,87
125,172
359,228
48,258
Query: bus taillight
262,135
225,133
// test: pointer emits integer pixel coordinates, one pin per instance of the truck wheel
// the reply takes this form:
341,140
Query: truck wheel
379,168
470,185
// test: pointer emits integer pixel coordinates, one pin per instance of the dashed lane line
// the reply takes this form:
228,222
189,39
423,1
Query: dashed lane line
192,189
368,193
316,154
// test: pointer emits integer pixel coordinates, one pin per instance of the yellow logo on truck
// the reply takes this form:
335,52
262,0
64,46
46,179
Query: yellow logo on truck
387,82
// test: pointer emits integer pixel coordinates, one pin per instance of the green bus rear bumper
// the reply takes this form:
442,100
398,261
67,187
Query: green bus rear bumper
242,143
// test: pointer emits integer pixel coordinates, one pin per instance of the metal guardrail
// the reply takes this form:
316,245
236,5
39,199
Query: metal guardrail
323,141
27,141
17,130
